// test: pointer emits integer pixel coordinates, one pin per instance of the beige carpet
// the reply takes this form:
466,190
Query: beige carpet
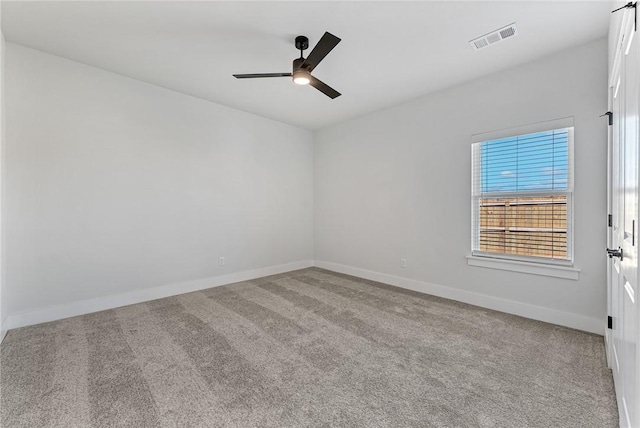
306,348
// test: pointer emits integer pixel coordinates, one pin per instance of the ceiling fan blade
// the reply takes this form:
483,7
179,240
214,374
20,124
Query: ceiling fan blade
324,88
255,76
327,42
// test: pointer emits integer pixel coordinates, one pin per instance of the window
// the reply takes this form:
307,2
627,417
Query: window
523,194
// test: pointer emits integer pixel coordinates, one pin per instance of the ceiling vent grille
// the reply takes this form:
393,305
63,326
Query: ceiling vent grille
494,37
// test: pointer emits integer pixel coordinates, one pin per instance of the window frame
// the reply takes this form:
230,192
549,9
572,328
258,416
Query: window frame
477,194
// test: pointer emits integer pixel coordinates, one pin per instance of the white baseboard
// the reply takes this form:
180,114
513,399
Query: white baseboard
607,344
82,307
540,313
3,329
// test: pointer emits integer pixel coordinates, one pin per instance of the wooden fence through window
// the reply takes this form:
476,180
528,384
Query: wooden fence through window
527,226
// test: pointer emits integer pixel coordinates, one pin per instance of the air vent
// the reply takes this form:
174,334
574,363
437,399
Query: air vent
494,37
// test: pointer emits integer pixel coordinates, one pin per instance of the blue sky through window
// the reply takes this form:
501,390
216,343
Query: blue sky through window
531,162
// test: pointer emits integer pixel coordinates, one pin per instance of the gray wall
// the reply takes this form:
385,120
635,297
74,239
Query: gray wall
397,183
114,185
3,283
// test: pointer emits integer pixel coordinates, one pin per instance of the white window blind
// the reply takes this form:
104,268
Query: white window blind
522,196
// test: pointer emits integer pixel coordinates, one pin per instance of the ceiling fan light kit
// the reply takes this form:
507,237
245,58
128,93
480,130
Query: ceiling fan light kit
302,67
301,77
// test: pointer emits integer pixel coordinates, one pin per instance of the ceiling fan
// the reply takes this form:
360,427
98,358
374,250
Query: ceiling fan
302,67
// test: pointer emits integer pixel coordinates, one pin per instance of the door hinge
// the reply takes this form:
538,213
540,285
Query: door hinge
610,114
610,220
630,5
610,322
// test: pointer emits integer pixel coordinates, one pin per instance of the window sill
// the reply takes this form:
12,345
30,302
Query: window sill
564,272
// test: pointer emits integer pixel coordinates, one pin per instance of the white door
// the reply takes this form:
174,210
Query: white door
623,192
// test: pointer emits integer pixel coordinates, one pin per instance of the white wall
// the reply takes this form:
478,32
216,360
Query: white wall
396,184
113,185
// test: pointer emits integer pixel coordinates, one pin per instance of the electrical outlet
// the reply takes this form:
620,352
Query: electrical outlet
221,261
403,263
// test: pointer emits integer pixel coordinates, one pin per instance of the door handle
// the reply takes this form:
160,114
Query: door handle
615,253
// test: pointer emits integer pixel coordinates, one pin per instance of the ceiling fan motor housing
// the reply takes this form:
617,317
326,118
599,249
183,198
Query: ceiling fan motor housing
297,63
300,75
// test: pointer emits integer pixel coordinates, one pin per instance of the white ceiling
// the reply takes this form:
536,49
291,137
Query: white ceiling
390,51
